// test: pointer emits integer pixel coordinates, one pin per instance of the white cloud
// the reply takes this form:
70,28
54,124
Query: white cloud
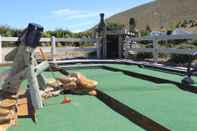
73,14
61,12
82,26
78,20
70,14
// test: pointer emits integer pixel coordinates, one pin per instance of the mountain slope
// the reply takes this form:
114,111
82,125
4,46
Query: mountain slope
158,13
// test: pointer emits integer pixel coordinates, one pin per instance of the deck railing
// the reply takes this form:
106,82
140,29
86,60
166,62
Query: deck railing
156,49
52,49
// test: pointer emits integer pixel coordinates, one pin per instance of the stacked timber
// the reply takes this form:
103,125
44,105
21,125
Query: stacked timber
8,115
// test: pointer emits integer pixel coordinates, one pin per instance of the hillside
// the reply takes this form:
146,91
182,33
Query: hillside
158,13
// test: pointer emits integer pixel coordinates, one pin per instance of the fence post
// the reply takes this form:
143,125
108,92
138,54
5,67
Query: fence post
98,49
155,50
53,48
1,53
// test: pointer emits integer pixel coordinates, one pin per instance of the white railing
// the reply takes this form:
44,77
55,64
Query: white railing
154,39
52,49
156,50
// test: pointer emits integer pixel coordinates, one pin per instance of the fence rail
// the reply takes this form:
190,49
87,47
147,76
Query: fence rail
156,49
167,37
153,39
14,39
53,49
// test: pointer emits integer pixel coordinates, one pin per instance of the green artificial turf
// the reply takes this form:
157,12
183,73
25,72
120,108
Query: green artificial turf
84,113
164,103
3,72
151,72
4,69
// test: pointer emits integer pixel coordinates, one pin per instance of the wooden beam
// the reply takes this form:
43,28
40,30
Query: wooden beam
53,47
1,53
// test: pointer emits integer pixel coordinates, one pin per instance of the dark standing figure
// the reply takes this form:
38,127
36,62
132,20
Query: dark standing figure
101,34
132,27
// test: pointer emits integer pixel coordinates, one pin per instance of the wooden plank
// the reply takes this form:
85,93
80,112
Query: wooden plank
14,39
10,119
164,50
22,108
145,38
141,49
9,39
155,50
177,37
1,53
53,47
176,51
167,37
68,39
45,40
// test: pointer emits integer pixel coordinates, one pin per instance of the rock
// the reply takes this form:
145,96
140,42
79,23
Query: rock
54,83
65,80
78,83
83,81
92,93
70,86
86,83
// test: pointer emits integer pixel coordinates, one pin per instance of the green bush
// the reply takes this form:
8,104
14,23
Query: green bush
59,44
114,26
132,56
92,54
143,55
182,59
163,55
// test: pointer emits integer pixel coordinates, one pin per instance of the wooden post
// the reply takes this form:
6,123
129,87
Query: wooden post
104,46
53,48
155,50
1,53
119,47
98,48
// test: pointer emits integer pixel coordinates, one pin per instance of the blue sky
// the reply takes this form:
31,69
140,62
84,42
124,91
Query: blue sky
75,15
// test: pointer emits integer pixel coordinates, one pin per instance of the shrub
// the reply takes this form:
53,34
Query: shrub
163,55
92,54
59,44
143,55
181,59
114,26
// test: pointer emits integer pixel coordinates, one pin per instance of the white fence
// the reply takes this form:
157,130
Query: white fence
53,49
154,39
156,50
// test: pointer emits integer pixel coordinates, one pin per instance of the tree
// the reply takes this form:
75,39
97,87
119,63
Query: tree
61,33
114,26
